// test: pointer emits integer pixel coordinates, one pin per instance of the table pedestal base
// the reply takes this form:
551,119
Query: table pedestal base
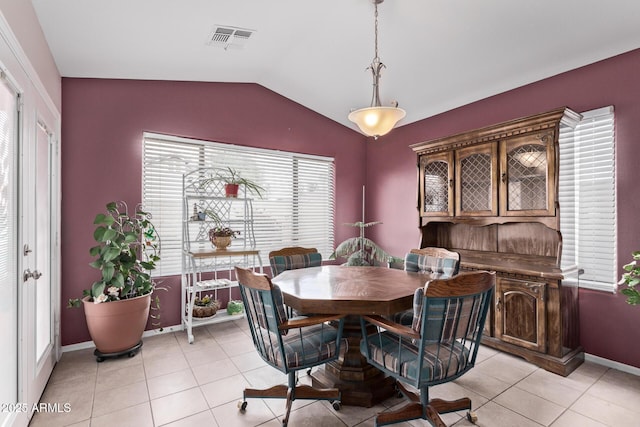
360,384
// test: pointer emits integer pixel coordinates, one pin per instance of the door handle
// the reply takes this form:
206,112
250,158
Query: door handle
28,274
499,304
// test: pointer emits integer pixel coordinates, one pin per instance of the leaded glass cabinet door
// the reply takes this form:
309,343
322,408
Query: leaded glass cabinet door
527,179
436,184
476,180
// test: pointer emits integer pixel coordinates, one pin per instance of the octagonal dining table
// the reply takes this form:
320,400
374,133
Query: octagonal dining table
352,291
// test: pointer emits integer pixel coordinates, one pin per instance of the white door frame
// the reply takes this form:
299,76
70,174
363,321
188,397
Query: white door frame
36,107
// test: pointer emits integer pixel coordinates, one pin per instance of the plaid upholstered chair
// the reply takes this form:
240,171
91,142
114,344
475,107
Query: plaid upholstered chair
440,345
288,345
440,263
293,258
437,261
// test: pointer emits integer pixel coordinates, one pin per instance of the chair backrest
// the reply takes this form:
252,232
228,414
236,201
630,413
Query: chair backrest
449,316
438,261
287,345
265,312
292,258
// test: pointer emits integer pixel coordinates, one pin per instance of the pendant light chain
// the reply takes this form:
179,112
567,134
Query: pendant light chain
376,31
376,120
376,65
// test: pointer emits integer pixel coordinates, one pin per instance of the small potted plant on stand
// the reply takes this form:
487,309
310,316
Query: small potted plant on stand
117,305
205,306
221,237
232,179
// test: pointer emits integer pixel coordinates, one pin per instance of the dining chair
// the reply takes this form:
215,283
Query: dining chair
292,258
440,345
437,261
288,345
440,263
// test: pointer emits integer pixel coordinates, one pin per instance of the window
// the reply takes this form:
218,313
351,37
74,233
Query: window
297,208
587,199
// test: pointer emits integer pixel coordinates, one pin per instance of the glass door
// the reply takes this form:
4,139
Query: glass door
39,287
476,180
528,182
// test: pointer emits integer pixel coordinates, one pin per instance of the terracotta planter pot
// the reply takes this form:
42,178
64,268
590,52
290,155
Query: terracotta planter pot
231,190
117,326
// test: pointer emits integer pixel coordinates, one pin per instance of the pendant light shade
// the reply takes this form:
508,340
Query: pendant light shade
376,120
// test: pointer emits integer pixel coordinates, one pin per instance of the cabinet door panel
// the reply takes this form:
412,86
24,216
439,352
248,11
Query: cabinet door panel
436,185
476,180
528,182
521,313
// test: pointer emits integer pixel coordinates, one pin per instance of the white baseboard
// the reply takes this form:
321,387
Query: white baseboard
587,357
90,344
612,364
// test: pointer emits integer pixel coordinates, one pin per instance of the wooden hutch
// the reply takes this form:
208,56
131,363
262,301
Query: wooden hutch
491,194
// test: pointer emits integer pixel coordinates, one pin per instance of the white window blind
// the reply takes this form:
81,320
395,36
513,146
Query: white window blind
297,207
587,199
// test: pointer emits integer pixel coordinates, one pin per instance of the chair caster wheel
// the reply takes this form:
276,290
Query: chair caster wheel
472,417
309,372
242,405
99,359
337,405
399,394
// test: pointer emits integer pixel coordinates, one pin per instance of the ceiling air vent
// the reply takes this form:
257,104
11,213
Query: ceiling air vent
227,37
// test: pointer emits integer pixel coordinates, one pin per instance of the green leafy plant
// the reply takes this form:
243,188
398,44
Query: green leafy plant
631,278
127,249
219,231
205,301
360,250
230,175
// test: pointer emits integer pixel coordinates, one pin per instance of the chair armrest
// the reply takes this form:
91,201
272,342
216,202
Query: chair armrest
392,327
308,321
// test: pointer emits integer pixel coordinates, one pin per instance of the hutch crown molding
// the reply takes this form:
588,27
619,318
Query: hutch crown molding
491,194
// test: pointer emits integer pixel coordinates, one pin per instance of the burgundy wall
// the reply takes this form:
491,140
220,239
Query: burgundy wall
608,325
102,126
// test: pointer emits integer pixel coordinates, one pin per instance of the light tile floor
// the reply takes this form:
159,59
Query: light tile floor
173,383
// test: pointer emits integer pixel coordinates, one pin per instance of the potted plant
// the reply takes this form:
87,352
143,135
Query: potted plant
205,306
221,236
117,305
360,250
631,278
232,179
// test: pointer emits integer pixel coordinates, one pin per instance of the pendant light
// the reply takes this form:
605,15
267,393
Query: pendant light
376,120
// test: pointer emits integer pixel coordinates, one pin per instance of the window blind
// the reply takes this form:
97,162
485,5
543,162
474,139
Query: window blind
296,209
587,199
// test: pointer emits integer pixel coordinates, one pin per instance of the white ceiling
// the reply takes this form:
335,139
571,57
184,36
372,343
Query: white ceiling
440,54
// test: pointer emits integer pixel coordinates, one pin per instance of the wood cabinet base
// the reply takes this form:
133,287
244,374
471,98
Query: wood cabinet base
558,365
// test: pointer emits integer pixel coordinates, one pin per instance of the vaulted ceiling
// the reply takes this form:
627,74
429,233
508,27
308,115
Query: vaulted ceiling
440,54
